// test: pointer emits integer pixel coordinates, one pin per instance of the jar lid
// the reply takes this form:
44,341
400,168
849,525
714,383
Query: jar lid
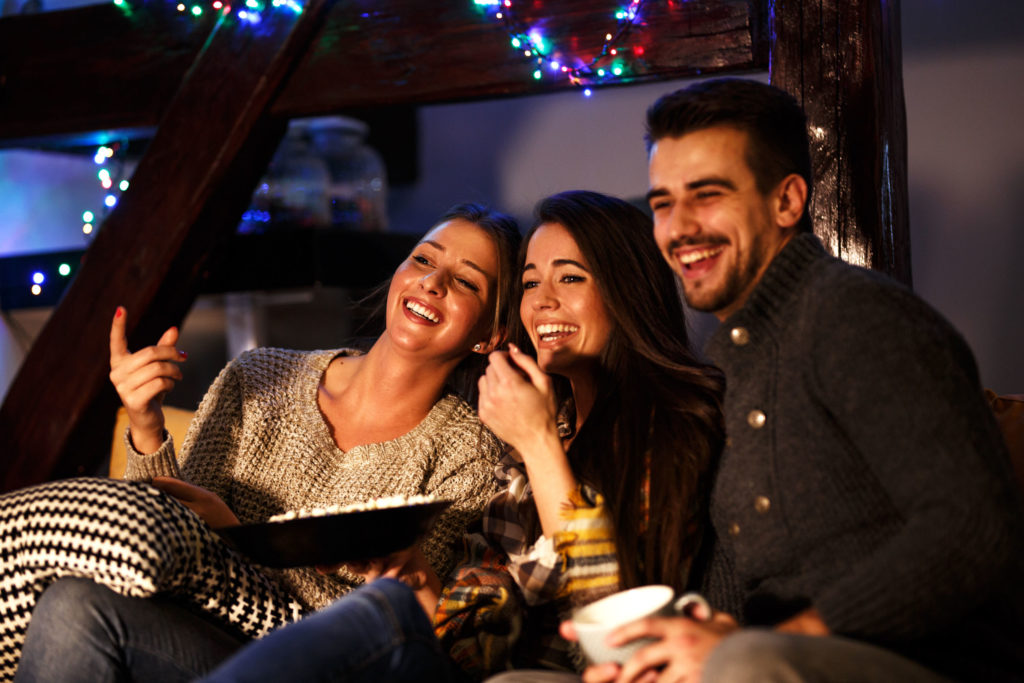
345,123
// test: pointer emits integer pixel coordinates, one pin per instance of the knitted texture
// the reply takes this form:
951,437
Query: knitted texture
864,474
131,538
260,442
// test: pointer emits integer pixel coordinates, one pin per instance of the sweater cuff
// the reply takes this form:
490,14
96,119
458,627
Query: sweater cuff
143,467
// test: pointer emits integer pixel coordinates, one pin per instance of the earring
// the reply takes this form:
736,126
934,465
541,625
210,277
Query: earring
478,347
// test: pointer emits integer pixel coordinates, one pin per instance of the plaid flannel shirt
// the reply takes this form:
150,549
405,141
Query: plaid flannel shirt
503,606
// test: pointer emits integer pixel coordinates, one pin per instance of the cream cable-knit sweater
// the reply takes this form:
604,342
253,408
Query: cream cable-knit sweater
260,442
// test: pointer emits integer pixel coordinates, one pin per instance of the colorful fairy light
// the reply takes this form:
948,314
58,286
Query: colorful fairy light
251,13
110,159
579,71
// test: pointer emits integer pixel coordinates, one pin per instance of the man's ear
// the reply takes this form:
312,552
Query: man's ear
790,200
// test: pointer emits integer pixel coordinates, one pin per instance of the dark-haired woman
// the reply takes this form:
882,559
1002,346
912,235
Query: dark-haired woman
279,430
613,428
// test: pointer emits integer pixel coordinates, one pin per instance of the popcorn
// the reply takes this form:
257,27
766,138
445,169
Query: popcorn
375,504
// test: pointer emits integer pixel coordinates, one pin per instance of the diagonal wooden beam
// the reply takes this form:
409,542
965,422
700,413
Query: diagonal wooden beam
151,253
843,60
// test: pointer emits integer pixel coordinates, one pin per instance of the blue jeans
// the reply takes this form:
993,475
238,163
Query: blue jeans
82,631
376,633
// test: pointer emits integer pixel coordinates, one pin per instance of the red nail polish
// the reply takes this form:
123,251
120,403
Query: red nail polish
183,354
118,312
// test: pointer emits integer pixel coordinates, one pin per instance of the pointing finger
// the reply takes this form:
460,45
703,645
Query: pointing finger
118,337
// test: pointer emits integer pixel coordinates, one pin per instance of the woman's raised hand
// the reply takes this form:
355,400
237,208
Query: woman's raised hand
517,401
142,379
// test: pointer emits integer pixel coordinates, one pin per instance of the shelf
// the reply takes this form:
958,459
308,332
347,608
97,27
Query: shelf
285,258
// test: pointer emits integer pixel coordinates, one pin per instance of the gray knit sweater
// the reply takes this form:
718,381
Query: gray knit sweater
864,474
260,442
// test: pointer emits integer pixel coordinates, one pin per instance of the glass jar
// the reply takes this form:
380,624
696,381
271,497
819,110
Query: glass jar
293,191
357,187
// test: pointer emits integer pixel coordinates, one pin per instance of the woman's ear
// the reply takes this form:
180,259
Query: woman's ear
487,345
790,200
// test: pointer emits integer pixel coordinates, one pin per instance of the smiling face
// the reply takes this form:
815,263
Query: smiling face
717,231
441,299
562,309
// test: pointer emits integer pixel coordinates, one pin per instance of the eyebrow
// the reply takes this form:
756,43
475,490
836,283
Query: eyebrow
441,247
559,262
694,185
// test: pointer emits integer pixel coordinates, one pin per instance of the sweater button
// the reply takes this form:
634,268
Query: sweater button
762,504
756,419
734,529
740,336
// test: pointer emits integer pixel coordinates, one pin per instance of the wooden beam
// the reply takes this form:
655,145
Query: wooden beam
101,69
151,253
842,59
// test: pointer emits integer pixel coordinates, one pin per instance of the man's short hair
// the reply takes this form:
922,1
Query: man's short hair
774,122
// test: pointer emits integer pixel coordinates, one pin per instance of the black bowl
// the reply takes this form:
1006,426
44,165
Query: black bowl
330,539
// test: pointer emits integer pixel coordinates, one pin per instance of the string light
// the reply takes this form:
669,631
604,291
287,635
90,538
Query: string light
110,159
579,71
251,13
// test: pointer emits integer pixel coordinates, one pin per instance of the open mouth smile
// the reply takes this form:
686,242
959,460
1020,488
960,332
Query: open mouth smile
696,261
551,332
421,312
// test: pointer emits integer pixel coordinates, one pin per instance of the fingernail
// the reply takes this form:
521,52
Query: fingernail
183,354
118,312
513,348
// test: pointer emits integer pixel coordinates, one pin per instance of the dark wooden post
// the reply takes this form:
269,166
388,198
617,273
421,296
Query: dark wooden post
151,253
842,60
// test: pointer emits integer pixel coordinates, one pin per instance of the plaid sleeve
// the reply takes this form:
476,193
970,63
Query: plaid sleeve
577,563
480,613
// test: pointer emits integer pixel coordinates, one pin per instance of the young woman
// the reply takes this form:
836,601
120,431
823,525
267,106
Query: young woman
613,428
279,430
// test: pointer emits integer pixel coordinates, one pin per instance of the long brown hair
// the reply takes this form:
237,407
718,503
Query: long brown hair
657,421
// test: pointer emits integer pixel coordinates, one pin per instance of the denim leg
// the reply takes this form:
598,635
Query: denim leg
82,631
376,633
770,657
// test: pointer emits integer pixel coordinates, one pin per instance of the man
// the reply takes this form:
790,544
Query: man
866,528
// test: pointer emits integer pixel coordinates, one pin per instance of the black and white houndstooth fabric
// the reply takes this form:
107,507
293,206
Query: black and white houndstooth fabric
133,539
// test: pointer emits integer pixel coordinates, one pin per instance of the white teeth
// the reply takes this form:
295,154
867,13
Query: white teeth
694,256
422,311
547,331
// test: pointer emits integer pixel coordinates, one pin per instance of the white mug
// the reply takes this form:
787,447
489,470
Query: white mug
595,621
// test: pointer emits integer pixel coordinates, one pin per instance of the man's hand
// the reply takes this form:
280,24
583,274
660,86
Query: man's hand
683,645
207,504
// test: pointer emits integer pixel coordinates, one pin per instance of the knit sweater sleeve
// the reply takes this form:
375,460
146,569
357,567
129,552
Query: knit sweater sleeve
465,455
212,441
910,403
